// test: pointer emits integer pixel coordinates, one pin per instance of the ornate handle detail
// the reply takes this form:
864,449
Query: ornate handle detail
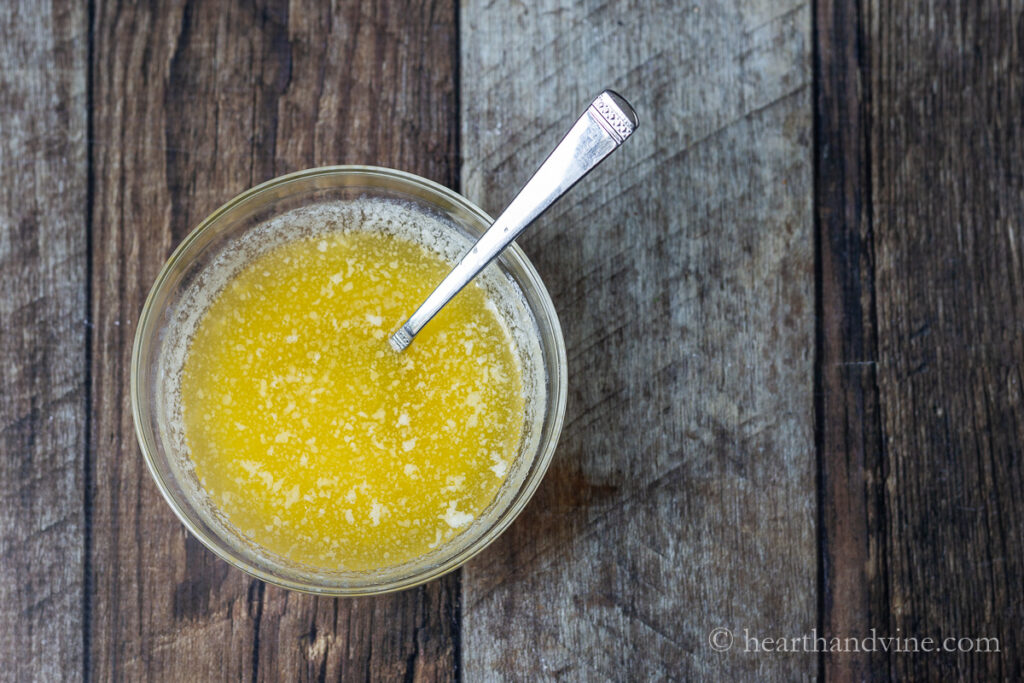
605,125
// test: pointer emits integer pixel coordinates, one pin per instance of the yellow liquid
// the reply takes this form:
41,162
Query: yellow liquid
315,438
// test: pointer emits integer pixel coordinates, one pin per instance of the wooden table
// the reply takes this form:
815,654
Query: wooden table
793,306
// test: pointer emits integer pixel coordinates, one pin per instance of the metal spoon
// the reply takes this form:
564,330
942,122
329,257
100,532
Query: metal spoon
605,125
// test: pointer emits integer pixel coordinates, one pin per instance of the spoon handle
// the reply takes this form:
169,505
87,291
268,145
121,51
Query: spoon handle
605,125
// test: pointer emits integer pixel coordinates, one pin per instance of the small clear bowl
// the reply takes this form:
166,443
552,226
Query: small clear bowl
156,367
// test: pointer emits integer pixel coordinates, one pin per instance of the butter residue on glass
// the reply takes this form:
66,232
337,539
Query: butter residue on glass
308,433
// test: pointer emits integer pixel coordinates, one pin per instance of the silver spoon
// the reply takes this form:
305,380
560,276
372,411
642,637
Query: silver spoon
605,125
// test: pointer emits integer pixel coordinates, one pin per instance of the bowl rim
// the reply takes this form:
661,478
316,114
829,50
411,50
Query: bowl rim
557,387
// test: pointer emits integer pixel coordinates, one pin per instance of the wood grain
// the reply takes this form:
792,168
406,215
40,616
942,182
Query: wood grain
682,495
685,494
947,206
853,584
192,104
920,209
43,255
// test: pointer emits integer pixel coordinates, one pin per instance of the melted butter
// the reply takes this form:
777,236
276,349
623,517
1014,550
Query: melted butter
315,438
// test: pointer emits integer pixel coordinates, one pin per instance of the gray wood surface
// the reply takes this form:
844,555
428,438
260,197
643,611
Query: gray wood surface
682,496
43,110
792,407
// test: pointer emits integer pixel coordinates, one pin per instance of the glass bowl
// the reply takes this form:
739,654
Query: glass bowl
170,309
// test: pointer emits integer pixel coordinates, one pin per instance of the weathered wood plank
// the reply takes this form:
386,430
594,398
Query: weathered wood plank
195,103
682,497
853,582
43,257
947,207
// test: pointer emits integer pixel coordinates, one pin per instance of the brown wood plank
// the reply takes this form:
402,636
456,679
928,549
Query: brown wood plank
682,497
43,258
947,207
194,103
853,582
